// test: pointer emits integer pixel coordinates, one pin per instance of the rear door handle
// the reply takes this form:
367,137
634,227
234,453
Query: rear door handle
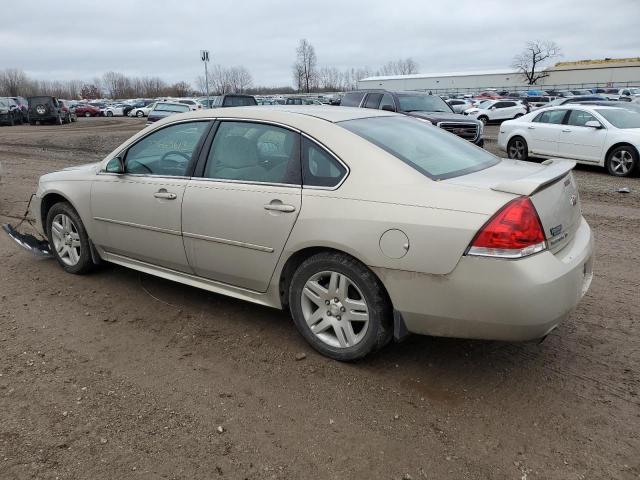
162,193
530,127
566,130
279,207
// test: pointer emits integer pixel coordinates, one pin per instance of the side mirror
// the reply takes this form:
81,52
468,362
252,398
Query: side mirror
115,165
593,124
492,108
388,108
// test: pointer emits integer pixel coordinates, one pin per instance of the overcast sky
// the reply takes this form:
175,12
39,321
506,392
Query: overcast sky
67,39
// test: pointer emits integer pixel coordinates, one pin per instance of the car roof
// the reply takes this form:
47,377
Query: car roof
329,113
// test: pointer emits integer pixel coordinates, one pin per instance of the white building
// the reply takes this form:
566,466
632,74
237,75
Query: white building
584,73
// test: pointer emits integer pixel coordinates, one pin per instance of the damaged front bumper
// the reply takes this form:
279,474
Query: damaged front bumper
39,248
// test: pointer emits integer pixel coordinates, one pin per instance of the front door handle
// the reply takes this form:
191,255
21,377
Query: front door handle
531,127
162,193
279,207
566,130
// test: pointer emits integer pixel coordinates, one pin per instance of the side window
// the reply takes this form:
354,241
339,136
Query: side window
387,100
373,100
254,152
319,167
499,105
551,116
578,118
165,152
352,99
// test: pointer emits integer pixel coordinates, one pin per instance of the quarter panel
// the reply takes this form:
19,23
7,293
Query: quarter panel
437,238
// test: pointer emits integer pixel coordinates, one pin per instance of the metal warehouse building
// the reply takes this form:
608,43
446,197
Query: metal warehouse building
585,73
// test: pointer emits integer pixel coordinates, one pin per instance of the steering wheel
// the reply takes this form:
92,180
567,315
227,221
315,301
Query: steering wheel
175,152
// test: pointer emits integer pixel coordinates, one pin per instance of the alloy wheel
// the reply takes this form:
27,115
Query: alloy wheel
66,239
517,150
622,162
335,310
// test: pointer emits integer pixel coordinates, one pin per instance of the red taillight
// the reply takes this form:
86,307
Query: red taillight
514,232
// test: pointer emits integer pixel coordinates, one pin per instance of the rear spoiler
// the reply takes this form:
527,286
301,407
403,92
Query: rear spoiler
553,171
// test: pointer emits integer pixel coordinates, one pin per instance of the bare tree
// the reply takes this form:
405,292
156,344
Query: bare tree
401,66
529,62
304,69
90,91
13,81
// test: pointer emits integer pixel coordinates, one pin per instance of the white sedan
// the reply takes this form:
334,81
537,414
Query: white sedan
497,110
142,111
113,111
590,134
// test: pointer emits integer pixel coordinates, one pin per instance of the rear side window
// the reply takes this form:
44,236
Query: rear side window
319,167
387,101
254,152
429,150
373,100
352,99
551,116
578,118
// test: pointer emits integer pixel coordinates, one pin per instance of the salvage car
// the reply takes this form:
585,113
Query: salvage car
86,110
590,134
7,112
364,224
431,108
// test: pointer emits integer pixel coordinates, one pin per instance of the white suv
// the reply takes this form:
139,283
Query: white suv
497,110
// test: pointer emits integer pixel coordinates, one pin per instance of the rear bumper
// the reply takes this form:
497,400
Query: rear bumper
486,298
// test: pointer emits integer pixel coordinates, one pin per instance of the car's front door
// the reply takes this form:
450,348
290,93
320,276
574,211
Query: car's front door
137,213
543,132
581,142
242,203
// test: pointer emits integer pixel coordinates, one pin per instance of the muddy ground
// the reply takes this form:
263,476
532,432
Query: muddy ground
121,375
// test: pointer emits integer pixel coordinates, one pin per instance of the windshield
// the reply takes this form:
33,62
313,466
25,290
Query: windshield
485,104
621,117
430,150
171,107
423,103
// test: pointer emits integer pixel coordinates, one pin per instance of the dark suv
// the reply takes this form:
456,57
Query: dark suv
420,105
45,109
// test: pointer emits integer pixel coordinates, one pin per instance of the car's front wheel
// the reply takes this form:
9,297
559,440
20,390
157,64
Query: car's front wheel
484,119
517,148
339,306
622,161
139,114
87,114
68,239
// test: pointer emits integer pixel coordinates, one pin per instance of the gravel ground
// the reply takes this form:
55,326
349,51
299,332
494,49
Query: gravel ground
122,375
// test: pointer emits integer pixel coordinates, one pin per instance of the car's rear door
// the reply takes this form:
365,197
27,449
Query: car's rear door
137,214
543,132
581,142
242,202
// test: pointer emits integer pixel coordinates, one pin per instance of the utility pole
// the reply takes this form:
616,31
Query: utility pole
204,56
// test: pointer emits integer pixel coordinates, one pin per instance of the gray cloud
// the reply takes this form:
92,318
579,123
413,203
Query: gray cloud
81,39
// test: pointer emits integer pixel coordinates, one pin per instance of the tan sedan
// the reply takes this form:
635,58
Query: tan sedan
364,224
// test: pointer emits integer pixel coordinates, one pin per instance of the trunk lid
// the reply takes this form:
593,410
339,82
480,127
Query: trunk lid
550,186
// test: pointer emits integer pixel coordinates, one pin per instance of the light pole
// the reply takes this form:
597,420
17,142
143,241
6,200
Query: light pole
204,56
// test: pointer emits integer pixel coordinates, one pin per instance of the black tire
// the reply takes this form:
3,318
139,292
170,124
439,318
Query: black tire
109,114
622,161
380,328
517,149
85,263
139,114
484,119
87,114
12,121
59,120
518,115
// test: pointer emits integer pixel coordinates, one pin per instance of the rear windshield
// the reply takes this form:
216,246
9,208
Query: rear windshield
422,103
430,150
40,99
621,117
239,101
171,107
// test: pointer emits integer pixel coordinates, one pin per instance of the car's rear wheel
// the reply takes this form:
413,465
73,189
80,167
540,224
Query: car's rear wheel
87,114
68,239
484,119
339,306
622,161
517,149
109,114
